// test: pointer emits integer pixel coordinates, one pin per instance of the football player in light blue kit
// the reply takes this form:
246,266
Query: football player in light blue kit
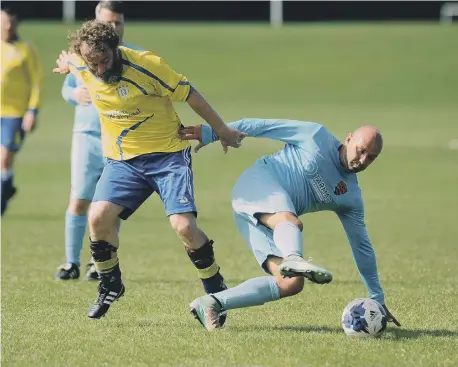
86,156
313,172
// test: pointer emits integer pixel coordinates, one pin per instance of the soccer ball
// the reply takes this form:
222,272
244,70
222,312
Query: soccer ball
364,317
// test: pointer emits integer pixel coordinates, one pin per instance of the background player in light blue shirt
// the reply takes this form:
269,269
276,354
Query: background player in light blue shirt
86,156
313,172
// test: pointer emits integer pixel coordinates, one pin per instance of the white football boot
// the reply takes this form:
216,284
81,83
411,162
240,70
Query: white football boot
296,266
208,310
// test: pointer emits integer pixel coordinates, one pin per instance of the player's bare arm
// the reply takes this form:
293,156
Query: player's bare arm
229,137
29,121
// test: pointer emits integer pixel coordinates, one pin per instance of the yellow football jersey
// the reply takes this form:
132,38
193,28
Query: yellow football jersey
20,80
136,114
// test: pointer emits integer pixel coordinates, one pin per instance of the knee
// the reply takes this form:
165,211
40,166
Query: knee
100,220
7,158
183,225
78,207
290,286
290,217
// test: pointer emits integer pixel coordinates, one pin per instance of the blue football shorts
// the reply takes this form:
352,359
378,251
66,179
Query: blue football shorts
12,133
129,183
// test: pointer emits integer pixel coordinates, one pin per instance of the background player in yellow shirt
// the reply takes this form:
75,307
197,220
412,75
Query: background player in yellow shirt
133,91
20,81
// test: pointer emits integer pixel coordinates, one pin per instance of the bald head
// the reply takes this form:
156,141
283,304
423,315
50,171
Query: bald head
371,135
361,148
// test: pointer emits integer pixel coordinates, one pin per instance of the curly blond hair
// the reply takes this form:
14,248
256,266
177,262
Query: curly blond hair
99,37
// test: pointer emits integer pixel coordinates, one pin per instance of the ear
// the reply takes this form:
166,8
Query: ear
348,138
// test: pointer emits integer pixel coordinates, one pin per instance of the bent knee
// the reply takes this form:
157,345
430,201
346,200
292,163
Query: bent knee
103,215
290,286
183,224
96,216
7,158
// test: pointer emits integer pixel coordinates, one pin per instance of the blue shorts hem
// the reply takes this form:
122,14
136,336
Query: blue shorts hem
127,211
190,209
11,148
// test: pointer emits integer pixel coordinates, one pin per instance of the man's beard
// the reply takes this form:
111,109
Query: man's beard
358,169
343,158
113,74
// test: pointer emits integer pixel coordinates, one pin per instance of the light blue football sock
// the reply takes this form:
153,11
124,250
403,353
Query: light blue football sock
75,228
253,292
288,239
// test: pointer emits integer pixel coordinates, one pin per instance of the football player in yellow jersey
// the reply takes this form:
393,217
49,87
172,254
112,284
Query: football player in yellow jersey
20,98
87,161
134,93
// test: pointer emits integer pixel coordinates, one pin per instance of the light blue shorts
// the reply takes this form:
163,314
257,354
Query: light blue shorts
259,191
258,238
87,164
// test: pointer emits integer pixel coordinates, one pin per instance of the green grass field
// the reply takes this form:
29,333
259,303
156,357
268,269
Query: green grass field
400,77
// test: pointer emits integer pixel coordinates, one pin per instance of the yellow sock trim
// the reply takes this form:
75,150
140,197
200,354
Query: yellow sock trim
106,266
208,272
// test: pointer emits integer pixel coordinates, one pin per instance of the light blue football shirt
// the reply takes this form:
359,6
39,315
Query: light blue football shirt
310,171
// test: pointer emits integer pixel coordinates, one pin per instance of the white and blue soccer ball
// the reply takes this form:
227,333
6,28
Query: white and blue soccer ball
364,317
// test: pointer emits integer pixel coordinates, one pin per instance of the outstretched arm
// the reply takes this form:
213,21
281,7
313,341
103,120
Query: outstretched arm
228,137
287,131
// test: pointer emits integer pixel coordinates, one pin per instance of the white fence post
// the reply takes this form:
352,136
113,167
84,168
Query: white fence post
276,13
448,11
68,11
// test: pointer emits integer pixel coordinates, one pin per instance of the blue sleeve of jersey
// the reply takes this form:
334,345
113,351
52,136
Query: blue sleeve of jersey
363,253
68,87
288,131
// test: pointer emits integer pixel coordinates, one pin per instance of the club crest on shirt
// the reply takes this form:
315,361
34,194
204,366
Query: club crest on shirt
123,91
341,188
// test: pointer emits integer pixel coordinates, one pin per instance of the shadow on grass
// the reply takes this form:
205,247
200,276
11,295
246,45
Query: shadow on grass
340,281
160,282
287,328
391,333
400,333
190,282
142,324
